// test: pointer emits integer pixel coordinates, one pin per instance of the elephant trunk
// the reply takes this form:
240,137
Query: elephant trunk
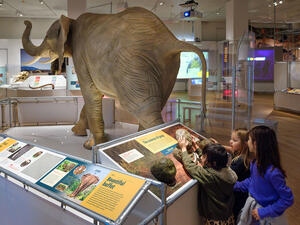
30,48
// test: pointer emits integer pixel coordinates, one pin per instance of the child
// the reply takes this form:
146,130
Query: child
269,196
215,197
240,164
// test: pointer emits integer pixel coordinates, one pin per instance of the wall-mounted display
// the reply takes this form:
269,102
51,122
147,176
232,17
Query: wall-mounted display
191,66
35,67
263,60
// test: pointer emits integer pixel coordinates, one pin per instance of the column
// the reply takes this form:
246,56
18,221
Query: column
236,19
76,8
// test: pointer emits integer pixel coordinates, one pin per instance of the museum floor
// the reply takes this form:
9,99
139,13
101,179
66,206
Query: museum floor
287,131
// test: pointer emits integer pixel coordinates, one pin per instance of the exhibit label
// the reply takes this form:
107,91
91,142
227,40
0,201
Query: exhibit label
113,194
157,141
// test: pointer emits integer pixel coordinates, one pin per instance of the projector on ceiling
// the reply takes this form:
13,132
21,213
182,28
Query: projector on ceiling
191,15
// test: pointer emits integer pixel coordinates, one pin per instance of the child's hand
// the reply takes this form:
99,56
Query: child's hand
195,145
183,143
255,214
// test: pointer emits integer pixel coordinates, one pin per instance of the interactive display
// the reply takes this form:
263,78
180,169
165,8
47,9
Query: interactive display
263,60
191,66
96,188
138,154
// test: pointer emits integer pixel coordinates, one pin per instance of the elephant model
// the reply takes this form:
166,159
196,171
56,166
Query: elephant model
86,181
130,56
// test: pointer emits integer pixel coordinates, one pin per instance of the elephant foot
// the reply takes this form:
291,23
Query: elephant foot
79,130
88,144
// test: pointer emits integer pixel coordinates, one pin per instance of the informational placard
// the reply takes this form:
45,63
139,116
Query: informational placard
113,194
157,141
138,154
99,189
57,80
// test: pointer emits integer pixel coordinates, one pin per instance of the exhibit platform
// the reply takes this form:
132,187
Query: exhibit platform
62,139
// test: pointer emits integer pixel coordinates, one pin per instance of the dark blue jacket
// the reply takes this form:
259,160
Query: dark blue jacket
270,191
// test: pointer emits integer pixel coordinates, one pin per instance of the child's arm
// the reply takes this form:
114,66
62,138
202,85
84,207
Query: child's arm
196,172
242,186
285,200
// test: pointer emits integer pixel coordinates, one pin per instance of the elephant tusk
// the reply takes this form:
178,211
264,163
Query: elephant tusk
49,60
35,59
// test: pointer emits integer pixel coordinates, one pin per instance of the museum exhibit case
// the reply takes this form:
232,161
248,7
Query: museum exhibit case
287,85
104,194
138,152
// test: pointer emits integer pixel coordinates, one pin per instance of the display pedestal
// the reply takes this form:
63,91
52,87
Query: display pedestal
131,155
287,102
194,89
21,207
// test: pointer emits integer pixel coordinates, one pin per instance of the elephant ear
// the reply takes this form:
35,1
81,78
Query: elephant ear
65,23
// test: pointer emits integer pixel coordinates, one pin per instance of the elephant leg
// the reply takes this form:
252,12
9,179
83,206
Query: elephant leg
93,108
148,113
80,127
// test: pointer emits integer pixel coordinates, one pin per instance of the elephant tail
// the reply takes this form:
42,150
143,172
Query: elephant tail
187,47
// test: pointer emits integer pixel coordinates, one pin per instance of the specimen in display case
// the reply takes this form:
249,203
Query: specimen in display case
131,56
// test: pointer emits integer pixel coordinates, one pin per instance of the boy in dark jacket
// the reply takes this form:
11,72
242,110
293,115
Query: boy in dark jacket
215,197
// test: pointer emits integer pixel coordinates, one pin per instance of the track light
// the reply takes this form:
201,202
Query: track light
19,13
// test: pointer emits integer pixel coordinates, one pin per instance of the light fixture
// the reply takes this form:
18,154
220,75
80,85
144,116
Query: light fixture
41,2
19,13
161,3
1,3
280,2
275,3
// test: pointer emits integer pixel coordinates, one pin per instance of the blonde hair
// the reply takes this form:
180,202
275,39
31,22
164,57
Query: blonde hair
242,134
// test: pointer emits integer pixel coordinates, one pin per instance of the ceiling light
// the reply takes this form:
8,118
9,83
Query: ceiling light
161,3
1,3
41,2
19,13
269,5
218,13
275,3
280,2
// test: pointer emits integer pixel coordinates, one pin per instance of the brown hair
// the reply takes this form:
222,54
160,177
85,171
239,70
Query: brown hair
267,152
242,134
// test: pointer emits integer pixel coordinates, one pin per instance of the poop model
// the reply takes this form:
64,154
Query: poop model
86,181
164,170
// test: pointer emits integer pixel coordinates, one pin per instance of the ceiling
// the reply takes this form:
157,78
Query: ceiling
260,11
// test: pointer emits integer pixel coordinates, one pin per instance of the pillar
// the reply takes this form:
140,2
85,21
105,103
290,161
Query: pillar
76,8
